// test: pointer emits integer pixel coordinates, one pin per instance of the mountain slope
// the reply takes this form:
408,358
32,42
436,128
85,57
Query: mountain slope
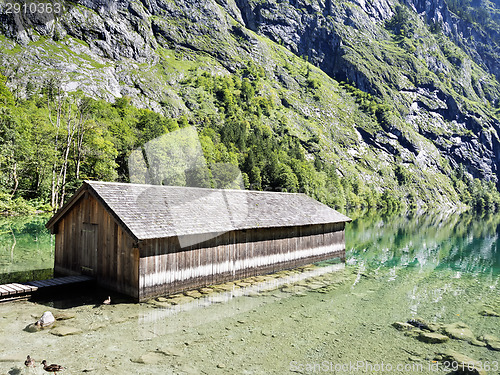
385,95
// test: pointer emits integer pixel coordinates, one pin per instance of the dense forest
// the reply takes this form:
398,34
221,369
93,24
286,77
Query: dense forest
51,141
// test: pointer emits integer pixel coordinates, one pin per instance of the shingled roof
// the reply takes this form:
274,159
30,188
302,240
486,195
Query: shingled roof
154,211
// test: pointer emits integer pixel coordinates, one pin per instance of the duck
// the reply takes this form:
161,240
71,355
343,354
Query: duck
51,368
107,301
30,362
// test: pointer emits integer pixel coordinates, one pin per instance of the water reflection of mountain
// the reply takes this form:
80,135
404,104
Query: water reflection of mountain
458,242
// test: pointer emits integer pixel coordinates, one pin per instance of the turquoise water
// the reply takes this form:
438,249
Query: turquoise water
444,269
26,249
464,243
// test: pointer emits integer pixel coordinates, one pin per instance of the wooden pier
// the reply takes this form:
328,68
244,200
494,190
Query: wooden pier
22,290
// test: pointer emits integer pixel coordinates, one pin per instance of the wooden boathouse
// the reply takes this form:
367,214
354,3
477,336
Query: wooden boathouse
150,240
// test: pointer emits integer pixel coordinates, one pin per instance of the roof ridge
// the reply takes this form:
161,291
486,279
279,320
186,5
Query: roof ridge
90,182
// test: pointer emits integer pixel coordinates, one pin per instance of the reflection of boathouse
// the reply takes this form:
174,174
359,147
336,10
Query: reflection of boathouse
147,240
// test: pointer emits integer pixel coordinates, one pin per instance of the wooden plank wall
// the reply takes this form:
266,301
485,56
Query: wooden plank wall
89,241
165,268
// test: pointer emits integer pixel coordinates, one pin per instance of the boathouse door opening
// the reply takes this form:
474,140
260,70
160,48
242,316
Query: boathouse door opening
90,234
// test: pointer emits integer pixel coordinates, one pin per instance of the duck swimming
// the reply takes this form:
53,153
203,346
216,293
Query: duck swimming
30,362
51,368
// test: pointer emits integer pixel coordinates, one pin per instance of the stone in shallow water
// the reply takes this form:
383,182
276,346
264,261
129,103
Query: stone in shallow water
432,337
46,320
193,294
171,351
227,287
477,343
422,324
150,358
401,326
293,289
489,312
466,365
492,341
459,331
316,285
260,278
65,331
180,300
244,284
64,316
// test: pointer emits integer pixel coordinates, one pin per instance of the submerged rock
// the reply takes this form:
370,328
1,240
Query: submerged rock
206,290
170,351
150,358
401,326
432,337
489,312
65,331
493,342
422,324
193,294
466,365
459,331
64,316
180,300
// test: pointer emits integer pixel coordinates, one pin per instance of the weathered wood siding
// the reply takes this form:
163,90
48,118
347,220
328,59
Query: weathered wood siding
89,241
166,268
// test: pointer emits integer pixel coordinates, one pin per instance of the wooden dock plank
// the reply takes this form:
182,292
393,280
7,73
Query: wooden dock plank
9,289
32,287
3,291
16,288
26,288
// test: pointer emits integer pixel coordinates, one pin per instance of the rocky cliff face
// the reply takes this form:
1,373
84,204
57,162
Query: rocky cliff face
349,40
432,95
469,36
